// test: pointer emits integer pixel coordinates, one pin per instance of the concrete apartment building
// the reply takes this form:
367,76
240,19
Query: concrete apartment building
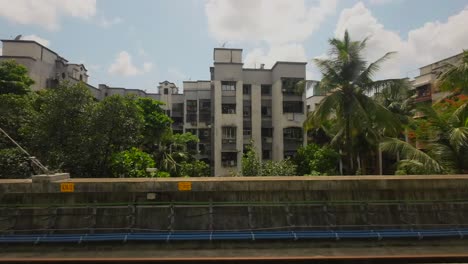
45,66
254,105
425,84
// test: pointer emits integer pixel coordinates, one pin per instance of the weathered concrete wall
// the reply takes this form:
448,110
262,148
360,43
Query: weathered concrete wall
235,203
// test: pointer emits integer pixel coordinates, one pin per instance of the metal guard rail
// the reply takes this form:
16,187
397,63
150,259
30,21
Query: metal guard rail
238,236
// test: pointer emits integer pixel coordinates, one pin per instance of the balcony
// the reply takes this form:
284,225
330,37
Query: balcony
229,144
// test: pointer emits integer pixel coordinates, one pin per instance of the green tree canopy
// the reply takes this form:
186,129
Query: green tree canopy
14,78
58,132
357,120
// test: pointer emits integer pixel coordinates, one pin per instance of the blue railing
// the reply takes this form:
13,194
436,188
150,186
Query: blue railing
232,235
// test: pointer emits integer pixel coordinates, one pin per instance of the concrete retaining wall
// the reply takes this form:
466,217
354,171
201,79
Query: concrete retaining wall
347,202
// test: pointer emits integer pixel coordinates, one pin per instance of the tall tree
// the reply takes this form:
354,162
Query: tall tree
347,82
446,138
117,125
58,132
156,122
14,78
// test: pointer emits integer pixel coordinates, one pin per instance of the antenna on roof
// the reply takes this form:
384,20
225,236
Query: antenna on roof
18,37
224,44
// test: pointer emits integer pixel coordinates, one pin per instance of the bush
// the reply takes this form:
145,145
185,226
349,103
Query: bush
315,160
132,163
14,164
196,168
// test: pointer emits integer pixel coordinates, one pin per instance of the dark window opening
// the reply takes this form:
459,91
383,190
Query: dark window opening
191,105
229,159
266,89
228,108
290,86
266,111
267,132
292,133
293,107
166,91
266,154
247,111
246,89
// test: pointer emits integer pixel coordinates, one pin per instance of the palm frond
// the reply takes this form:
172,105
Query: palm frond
374,67
406,150
327,106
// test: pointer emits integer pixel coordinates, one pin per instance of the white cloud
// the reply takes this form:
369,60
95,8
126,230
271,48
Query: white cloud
38,39
107,23
45,13
429,43
123,65
280,52
282,25
273,21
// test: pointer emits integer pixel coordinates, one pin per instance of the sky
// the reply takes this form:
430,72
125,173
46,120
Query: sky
137,44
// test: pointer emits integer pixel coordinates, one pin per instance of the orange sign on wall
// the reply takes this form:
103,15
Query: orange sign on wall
185,186
67,187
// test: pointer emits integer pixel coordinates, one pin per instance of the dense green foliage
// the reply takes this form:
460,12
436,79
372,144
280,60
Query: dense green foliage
14,164
315,160
14,78
353,119
68,130
252,166
132,163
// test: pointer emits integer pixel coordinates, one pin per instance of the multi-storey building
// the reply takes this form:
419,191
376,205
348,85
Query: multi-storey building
45,66
254,106
425,84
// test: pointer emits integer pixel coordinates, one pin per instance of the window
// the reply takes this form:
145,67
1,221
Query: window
228,108
229,159
267,132
292,133
266,89
247,131
289,86
266,111
289,154
168,112
228,86
229,132
205,105
63,75
192,131
266,154
166,91
246,88
81,77
247,110
191,105
293,107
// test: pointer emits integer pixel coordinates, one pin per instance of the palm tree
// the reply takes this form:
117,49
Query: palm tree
347,82
447,146
455,78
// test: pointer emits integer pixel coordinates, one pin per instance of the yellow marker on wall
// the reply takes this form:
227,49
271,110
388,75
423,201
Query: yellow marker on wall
185,186
67,187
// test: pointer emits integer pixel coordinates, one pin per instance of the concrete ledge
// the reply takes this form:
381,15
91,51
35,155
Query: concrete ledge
50,177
